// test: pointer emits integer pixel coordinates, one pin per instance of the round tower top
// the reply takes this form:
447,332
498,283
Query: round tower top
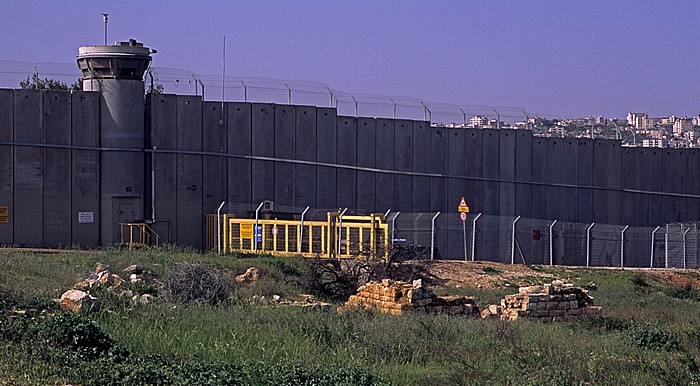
123,60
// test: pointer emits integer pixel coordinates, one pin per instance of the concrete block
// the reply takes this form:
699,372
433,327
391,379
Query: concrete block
284,140
7,165
305,149
366,156
29,169
347,155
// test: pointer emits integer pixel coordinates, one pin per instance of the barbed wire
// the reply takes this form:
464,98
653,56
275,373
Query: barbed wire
270,90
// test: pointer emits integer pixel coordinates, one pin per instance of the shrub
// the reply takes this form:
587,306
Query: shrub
197,282
78,335
651,337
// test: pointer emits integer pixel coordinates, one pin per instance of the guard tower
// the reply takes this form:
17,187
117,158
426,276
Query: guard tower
116,72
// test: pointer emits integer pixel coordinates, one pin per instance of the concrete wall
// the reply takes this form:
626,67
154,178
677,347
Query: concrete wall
47,190
200,161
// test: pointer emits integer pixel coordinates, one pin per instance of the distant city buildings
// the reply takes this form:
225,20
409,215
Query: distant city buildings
639,121
639,129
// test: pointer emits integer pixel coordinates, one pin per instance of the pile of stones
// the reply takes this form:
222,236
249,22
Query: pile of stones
79,300
396,297
549,302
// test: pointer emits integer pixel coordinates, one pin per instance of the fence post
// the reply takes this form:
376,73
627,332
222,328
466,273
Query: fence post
432,236
340,231
218,226
588,244
622,246
393,227
666,248
301,230
684,251
512,243
551,242
653,233
474,235
255,231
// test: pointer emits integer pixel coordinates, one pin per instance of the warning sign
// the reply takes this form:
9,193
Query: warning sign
86,217
274,230
4,215
463,208
246,231
463,216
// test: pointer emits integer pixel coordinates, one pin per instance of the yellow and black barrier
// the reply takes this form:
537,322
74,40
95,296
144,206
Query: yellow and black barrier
349,236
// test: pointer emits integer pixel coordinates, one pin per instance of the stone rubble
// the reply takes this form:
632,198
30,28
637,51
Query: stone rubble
396,297
549,302
79,302
251,274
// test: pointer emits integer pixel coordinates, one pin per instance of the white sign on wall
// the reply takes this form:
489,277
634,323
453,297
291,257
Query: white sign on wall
86,217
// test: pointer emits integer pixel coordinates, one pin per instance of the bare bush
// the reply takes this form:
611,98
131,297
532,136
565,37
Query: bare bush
196,282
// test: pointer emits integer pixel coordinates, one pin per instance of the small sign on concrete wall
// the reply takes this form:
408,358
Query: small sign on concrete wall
86,217
4,215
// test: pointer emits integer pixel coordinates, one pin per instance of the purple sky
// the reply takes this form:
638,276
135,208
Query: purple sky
567,58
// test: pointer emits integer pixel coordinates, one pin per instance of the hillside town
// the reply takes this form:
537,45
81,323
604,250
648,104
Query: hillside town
639,129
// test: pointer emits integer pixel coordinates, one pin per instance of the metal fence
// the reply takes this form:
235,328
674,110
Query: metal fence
519,240
279,91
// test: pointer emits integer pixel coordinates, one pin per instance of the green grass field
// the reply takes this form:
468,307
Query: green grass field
649,334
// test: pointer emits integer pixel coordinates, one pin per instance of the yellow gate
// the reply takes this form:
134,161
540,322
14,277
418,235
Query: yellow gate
338,237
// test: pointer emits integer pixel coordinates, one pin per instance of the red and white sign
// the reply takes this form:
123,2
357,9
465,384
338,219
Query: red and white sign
463,216
463,208
274,230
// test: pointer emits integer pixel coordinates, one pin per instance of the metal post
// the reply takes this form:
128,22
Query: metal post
474,235
245,91
332,96
551,242
432,236
393,226
512,244
196,85
301,230
340,231
684,251
464,236
653,233
666,248
255,232
498,119
218,226
392,101
105,16
427,114
387,214
588,244
202,84
289,93
357,108
622,246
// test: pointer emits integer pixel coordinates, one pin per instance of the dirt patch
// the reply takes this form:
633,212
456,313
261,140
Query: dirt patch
483,274
682,279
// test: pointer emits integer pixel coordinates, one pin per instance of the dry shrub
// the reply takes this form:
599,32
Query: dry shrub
197,282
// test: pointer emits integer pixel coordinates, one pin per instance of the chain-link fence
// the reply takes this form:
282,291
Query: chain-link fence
296,92
510,239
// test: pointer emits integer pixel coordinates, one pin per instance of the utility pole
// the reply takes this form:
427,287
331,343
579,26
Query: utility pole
105,16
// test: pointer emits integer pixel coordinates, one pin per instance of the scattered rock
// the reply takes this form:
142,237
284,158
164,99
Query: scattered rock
135,279
251,274
133,269
79,302
493,311
101,267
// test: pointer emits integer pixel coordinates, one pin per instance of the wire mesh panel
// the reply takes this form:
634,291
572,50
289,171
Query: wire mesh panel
691,246
674,245
570,243
532,241
605,245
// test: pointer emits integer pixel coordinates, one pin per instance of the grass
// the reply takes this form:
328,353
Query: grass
649,334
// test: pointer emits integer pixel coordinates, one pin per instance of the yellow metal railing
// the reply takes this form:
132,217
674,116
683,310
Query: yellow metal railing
138,235
349,237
